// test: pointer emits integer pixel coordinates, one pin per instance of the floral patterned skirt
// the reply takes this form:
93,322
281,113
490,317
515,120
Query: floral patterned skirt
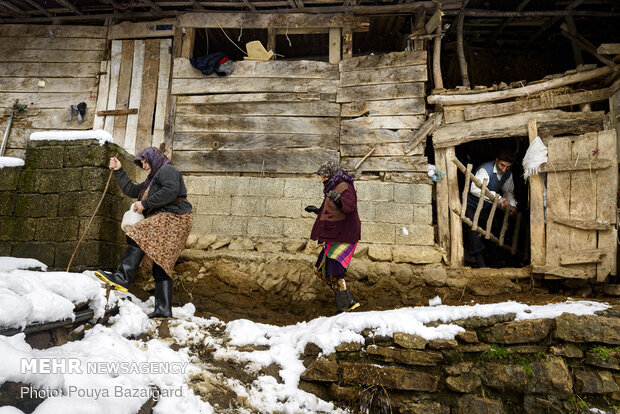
162,237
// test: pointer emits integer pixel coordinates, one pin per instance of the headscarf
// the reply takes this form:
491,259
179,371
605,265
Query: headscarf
156,160
334,175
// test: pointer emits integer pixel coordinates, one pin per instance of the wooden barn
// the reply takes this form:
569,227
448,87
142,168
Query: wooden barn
384,88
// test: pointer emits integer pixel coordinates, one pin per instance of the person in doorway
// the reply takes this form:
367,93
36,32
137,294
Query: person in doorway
338,228
162,235
499,176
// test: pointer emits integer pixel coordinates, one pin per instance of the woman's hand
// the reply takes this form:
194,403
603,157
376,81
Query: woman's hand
115,164
138,207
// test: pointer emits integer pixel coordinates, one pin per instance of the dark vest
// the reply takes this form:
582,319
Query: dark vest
494,183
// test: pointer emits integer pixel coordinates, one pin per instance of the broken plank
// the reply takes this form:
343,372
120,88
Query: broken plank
260,124
552,122
49,70
257,161
516,92
564,272
312,108
52,56
150,78
239,85
411,106
380,92
305,69
428,127
384,122
251,141
581,257
415,73
576,165
394,163
387,60
535,104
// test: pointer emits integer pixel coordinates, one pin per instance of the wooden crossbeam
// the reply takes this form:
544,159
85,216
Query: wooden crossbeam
38,6
152,5
12,7
70,6
553,20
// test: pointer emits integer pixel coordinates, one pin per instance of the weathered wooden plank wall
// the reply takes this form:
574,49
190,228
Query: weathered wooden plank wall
139,76
48,68
275,116
382,99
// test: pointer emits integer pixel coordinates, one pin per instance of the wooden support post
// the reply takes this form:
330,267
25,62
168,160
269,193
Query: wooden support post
347,43
420,17
466,190
487,234
187,50
456,230
460,51
480,203
271,39
443,212
572,29
334,45
537,213
437,60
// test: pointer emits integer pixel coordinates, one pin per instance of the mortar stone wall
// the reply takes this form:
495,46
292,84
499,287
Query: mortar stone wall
46,205
396,217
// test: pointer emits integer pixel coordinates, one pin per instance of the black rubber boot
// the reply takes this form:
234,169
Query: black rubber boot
352,303
121,279
341,301
163,300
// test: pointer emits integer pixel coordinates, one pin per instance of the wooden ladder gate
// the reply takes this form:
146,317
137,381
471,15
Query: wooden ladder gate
486,232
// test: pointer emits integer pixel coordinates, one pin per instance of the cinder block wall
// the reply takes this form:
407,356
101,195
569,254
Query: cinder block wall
46,205
273,209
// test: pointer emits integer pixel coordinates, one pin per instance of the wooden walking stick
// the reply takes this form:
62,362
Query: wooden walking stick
105,190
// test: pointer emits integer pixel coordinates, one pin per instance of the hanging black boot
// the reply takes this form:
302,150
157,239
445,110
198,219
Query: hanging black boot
126,270
352,303
163,293
163,299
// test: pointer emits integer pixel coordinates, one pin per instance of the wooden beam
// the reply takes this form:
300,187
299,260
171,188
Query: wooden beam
130,30
249,5
38,6
460,51
582,224
152,5
608,49
266,21
12,7
581,257
70,7
564,272
427,128
535,104
118,112
187,48
550,22
590,49
517,92
442,205
551,122
437,78
420,16
271,40
530,14
537,213
433,22
572,29
576,165
457,252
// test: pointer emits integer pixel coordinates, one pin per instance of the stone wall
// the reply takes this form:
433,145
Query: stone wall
498,365
393,215
46,205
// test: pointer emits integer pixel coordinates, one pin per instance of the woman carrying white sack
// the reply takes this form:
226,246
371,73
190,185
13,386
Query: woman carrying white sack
162,235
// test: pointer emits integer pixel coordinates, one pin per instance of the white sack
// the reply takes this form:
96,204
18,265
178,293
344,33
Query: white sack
130,218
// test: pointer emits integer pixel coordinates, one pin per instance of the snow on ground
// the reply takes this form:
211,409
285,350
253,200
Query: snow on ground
109,364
